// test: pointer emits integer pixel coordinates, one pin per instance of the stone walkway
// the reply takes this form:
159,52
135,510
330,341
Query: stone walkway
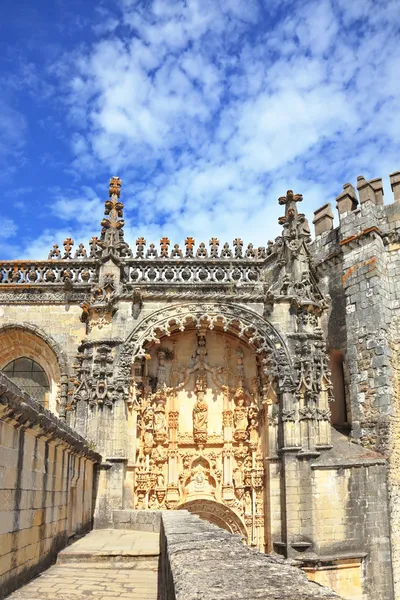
105,564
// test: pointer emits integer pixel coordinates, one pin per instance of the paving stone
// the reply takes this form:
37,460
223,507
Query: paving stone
68,580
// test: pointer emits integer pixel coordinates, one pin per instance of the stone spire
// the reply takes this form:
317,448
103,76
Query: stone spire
111,241
296,280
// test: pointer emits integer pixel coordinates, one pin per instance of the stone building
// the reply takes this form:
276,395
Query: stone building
255,387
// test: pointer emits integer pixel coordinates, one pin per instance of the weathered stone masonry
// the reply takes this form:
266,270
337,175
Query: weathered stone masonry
365,252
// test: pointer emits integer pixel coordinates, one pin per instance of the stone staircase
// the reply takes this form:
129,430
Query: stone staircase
106,564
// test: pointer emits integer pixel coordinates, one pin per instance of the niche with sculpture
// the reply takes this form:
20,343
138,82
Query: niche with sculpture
200,413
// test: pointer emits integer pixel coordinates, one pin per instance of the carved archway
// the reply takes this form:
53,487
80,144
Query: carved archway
217,513
201,367
242,322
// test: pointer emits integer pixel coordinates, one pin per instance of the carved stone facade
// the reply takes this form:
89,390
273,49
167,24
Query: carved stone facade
202,377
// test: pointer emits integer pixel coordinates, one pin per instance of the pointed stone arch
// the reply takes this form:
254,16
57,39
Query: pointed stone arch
240,321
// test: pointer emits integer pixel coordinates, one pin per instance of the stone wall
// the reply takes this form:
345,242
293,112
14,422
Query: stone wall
46,486
200,560
359,266
351,528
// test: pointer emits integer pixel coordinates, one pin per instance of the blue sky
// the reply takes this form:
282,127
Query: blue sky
208,110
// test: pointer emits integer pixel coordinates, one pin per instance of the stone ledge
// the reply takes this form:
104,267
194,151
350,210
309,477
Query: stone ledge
200,560
137,520
16,405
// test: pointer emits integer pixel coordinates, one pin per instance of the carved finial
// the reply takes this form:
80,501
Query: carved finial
115,187
250,252
81,252
54,253
238,245
289,201
176,252
68,243
290,197
226,251
189,243
202,251
93,243
140,244
164,243
112,236
214,243
151,252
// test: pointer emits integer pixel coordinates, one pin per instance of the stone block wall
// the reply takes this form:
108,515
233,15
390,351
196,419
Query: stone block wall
46,486
359,266
352,529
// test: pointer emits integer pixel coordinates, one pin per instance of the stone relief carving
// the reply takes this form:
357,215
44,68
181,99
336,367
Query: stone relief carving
94,380
101,307
220,459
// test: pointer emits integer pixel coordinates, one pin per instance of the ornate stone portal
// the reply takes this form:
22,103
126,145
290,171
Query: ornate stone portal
199,441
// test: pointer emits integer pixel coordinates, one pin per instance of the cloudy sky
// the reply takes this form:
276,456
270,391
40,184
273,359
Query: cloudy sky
207,109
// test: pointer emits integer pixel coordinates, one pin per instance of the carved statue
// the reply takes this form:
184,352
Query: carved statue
240,412
160,421
162,370
200,415
148,423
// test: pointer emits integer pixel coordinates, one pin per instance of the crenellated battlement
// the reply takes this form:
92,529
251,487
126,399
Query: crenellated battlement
354,204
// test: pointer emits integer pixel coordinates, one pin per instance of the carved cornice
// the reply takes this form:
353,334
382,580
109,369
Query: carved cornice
370,231
37,296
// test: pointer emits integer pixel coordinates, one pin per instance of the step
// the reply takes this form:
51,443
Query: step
150,565
113,546
148,560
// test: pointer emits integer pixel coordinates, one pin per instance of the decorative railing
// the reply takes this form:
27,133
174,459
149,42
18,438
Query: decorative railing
192,271
50,272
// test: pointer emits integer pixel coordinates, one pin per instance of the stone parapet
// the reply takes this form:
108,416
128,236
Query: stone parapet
200,560
370,191
347,200
17,406
323,219
395,185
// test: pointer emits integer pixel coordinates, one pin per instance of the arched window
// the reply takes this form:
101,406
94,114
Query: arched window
30,377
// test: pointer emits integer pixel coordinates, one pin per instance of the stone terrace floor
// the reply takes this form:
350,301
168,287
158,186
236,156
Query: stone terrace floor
105,564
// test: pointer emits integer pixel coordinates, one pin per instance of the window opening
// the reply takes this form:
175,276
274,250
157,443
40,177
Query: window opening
30,377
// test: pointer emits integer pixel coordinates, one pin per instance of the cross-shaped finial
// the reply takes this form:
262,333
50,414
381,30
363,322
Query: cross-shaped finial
189,243
214,243
164,243
289,201
238,244
290,197
140,244
68,243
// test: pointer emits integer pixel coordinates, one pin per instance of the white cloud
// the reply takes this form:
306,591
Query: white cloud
8,229
209,111
13,131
